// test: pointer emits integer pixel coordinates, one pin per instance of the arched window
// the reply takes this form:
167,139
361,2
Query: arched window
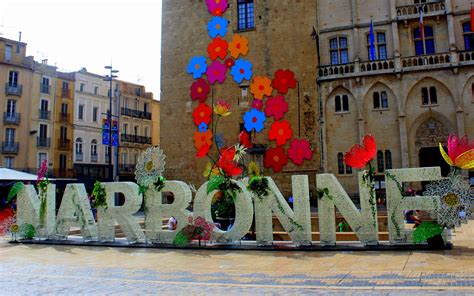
380,100
79,150
380,161
428,47
338,51
468,36
342,103
388,159
340,164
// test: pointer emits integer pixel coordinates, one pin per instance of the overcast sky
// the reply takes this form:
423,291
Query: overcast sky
73,34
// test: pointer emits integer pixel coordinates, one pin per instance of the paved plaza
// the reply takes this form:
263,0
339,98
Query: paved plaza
39,269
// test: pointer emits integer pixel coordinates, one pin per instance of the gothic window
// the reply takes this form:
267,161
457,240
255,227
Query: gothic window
340,164
388,159
380,161
429,96
380,100
342,103
339,51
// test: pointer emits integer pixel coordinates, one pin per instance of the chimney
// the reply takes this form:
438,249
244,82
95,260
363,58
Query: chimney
44,62
19,37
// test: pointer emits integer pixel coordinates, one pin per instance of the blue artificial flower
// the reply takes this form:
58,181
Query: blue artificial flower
254,119
241,70
220,140
197,66
202,127
217,26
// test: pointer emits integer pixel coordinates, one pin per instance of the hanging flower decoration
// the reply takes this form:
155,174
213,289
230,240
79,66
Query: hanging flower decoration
229,63
460,152
262,86
217,7
244,139
257,104
300,149
202,114
276,159
222,108
197,66
241,70
238,46
360,156
217,26
455,198
284,79
199,90
217,48
226,162
150,166
216,72
276,107
201,139
203,127
281,132
254,119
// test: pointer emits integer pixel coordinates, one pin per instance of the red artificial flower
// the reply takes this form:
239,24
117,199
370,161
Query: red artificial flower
299,151
226,163
275,158
229,63
284,79
217,48
281,132
257,104
244,139
202,113
203,151
199,90
6,220
276,107
359,156
202,139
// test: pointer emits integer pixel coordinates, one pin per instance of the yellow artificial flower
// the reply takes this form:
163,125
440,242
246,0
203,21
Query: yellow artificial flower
253,169
222,108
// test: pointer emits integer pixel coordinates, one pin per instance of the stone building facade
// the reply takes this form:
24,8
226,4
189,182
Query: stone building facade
410,96
279,34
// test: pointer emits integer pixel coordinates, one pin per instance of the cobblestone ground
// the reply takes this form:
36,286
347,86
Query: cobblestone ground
69,270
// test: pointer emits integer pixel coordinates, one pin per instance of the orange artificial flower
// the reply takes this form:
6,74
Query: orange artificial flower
262,86
202,139
238,46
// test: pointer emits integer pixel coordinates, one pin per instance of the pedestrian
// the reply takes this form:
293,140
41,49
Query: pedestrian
172,223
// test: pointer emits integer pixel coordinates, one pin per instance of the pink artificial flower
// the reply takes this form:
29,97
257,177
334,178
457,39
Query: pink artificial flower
217,7
216,72
299,151
257,104
42,171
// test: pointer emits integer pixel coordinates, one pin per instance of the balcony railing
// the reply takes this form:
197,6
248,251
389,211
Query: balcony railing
10,147
66,93
44,114
126,111
43,142
94,157
127,168
79,156
64,144
396,65
413,11
11,118
44,88
136,113
146,115
64,117
135,139
13,89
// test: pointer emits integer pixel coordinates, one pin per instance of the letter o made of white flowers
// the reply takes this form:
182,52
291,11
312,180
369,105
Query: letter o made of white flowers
243,213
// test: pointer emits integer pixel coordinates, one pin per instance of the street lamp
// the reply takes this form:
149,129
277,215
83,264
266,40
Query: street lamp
110,78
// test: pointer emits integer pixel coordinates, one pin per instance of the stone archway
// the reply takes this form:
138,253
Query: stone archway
427,139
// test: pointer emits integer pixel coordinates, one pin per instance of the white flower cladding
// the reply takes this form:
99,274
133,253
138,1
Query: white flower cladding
150,166
75,204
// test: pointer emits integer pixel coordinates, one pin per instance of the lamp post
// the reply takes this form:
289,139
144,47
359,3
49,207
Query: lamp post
110,78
